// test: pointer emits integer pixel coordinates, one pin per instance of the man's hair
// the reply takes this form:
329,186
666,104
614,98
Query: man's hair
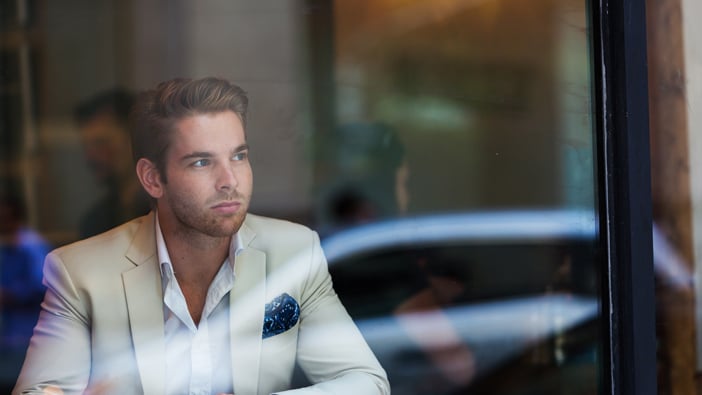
156,112
116,102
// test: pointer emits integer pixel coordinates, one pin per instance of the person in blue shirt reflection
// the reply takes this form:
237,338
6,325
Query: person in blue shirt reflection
22,252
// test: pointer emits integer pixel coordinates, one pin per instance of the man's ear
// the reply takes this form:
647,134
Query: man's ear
150,177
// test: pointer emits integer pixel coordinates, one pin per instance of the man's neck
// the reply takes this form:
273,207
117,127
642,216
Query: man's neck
196,258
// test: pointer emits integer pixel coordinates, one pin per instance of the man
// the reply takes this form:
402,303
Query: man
198,296
102,121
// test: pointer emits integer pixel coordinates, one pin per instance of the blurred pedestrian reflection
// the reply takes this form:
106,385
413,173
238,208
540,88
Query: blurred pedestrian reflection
102,121
370,180
372,185
22,253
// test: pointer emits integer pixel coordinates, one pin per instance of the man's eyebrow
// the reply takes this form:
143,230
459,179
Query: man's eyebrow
205,154
243,147
196,154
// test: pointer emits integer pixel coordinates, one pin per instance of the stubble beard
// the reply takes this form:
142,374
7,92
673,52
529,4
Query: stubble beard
195,222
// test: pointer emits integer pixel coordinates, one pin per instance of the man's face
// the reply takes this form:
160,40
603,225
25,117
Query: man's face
209,178
106,147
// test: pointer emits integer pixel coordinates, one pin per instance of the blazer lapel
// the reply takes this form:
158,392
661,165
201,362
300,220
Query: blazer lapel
143,289
247,301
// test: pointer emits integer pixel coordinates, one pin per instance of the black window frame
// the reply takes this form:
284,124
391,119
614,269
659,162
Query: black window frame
624,179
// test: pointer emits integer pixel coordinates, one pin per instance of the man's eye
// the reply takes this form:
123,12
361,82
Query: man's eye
240,156
201,163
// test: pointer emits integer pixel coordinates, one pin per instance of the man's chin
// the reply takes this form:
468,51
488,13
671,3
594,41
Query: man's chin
229,228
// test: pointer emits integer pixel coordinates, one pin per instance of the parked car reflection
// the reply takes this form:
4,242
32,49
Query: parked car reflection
490,302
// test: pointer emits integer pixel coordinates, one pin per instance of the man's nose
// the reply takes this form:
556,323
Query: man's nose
226,178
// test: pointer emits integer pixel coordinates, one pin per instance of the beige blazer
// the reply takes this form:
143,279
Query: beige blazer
102,320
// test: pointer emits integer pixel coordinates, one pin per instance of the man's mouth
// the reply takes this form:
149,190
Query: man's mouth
227,207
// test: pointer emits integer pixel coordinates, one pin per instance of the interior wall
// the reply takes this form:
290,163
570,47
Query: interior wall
460,81
89,47
260,46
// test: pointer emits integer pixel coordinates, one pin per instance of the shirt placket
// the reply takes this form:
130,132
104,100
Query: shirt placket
201,362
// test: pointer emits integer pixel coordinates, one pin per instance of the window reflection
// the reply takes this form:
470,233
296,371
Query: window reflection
442,149
487,280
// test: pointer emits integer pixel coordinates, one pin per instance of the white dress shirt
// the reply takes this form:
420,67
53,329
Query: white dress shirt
198,360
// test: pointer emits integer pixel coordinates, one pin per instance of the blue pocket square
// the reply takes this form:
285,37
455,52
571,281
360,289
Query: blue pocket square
282,314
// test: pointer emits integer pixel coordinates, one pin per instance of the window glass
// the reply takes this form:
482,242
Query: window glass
455,192
443,150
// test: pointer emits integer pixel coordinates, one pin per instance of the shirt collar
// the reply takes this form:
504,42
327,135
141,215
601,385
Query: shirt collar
235,247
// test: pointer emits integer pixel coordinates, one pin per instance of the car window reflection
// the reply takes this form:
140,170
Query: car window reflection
455,302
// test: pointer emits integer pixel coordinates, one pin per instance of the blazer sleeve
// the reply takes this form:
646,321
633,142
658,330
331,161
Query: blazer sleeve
59,352
331,350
